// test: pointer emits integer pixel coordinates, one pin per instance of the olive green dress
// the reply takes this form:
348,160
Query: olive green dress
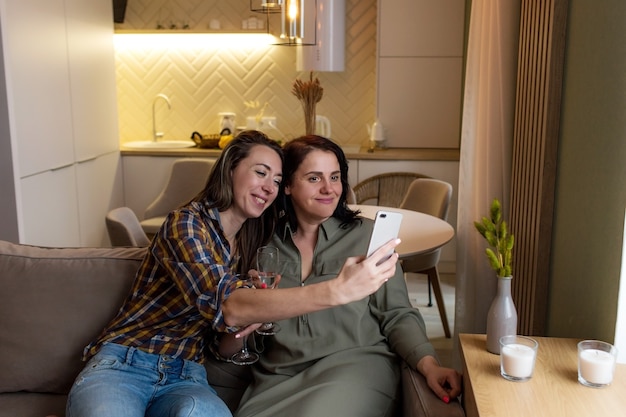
340,361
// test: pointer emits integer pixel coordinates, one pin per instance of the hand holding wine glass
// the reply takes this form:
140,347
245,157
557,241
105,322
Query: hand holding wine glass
267,267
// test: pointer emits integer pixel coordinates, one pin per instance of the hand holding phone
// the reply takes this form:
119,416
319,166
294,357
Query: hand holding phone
386,228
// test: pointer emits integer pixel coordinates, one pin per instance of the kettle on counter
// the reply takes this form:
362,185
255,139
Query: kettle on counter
322,126
227,121
376,133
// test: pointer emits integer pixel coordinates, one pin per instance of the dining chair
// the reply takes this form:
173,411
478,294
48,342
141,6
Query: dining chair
351,196
187,178
386,189
124,229
429,196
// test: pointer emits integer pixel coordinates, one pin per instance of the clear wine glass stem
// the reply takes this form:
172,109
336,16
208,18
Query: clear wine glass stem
244,357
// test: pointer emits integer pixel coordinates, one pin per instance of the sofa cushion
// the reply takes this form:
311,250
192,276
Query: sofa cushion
23,404
53,302
229,380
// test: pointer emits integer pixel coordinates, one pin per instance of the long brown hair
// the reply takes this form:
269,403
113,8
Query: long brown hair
219,193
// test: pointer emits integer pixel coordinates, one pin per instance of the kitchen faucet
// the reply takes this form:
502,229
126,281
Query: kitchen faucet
155,134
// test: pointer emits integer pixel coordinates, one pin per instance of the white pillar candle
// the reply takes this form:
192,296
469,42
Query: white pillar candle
517,360
596,366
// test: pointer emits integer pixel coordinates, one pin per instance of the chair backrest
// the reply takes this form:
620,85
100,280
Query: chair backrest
429,196
386,189
124,228
351,196
187,178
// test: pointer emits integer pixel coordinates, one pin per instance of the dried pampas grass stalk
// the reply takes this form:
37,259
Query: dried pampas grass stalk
309,93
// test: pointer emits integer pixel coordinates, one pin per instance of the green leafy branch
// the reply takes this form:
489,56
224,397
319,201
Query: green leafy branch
495,231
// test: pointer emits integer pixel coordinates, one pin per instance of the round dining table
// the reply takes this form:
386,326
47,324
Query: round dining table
419,232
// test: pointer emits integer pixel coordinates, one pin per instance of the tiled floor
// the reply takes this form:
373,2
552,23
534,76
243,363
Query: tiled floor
418,294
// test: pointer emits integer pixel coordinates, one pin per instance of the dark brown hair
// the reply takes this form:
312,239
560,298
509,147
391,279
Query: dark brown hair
219,193
295,152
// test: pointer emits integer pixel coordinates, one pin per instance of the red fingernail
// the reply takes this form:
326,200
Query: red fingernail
446,399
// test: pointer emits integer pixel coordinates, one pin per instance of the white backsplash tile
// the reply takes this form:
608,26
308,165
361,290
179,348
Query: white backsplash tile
202,81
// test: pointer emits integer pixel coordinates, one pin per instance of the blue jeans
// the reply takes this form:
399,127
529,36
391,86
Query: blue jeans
121,381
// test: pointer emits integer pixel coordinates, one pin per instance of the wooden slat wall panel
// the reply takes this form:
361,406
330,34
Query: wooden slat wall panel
536,135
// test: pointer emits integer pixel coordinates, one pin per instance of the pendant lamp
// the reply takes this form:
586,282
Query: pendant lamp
266,6
297,18
317,26
296,21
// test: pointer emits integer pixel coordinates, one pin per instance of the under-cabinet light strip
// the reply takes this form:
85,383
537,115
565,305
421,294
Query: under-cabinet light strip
192,40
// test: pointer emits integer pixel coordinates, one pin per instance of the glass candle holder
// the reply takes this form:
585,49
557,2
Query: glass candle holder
596,363
517,357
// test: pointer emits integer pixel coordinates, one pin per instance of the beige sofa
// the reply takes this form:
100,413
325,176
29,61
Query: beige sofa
53,301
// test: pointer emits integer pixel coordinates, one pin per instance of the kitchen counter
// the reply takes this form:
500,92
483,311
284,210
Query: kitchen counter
391,154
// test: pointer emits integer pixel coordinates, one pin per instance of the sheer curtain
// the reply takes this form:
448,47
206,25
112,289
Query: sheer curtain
486,142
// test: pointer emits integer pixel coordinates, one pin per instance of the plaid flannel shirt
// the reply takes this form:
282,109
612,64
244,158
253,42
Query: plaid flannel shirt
176,298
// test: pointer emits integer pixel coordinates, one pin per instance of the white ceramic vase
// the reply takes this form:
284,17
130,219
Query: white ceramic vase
502,316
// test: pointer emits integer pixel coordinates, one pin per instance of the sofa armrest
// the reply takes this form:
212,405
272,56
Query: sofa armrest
420,401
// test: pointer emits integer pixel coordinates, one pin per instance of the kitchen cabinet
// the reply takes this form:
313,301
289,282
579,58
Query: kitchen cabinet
419,77
93,84
69,193
38,83
62,207
99,189
58,91
47,199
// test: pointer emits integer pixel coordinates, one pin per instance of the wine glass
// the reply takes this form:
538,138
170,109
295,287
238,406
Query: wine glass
267,267
244,356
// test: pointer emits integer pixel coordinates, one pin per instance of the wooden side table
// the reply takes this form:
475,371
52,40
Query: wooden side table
552,391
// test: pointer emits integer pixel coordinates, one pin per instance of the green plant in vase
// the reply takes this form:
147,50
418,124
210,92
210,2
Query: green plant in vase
502,315
495,231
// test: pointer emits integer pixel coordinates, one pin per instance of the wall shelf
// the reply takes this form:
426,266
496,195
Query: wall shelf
186,31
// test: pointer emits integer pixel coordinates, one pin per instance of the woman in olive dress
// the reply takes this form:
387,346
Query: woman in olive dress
343,361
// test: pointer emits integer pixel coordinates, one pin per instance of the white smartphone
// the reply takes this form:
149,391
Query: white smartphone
386,227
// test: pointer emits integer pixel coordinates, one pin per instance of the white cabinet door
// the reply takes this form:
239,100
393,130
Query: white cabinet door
92,70
50,208
419,101
67,207
38,83
99,185
421,27
419,73
62,116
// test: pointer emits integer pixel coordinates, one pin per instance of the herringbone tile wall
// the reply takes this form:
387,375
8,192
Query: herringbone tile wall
204,79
